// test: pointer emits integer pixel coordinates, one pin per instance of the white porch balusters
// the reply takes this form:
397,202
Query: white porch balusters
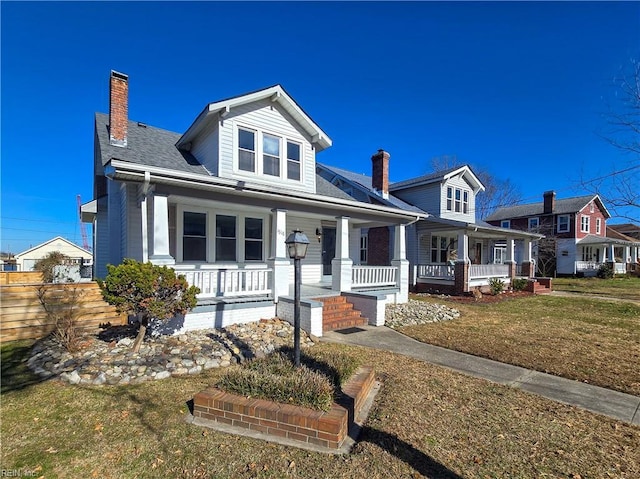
400,261
279,261
342,265
160,254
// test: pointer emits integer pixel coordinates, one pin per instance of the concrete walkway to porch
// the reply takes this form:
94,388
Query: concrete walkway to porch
617,405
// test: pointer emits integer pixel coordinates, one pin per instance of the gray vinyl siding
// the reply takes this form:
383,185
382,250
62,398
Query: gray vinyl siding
114,222
124,217
101,232
425,197
205,148
265,116
312,265
134,224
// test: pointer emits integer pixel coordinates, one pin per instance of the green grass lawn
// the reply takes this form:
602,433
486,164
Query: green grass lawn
622,287
426,422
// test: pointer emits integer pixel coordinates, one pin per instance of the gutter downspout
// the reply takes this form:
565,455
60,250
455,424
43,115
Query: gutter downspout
144,213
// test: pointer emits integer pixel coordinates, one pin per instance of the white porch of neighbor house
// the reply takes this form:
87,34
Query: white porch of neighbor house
262,274
592,253
456,262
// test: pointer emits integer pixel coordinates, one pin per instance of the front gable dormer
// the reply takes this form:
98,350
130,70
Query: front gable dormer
449,194
263,138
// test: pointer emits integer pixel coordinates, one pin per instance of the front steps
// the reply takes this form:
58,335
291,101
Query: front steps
337,313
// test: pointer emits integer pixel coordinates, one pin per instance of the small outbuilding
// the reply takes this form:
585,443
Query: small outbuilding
26,260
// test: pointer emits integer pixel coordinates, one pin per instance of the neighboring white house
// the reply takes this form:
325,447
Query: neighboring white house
217,203
449,251
77,255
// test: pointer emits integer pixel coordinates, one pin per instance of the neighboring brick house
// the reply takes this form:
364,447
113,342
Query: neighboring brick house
576,233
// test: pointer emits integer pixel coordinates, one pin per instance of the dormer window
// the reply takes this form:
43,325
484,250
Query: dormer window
267,154
457,200
246,150
506,224
271,155
293,161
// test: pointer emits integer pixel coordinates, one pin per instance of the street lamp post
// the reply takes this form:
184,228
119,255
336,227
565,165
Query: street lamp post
297,243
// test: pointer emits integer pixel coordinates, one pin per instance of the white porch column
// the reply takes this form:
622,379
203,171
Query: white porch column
612,257
527,250
279,259
145,235
160,254
401,263
463,247
511,250
342,265
603,254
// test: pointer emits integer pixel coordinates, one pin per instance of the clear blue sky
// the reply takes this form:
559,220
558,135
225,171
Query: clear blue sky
516,88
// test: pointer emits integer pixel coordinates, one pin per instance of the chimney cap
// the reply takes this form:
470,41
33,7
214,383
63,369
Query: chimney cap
549,193
120,76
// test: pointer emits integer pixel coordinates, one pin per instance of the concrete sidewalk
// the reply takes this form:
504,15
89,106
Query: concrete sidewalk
617,405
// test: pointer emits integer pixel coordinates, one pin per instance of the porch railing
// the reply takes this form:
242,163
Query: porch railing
488,271
373,276
228,282
586,266
439,271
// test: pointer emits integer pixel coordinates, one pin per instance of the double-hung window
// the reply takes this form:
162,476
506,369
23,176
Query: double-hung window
270,155
253,239
442,248
246,150
563,224
364,247
449,198
194,237
458,200
598,225
465,202
225,238
534,223
293,161
584,223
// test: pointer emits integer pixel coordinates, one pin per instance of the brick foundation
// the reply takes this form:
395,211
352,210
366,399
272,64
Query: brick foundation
326,429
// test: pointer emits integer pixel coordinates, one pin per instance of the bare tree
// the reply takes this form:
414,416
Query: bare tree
620,187
498,192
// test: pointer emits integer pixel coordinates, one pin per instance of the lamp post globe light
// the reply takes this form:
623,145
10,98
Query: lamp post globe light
297,243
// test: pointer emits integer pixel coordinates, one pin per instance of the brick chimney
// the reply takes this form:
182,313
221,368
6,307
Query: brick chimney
380,173
118,108
549,201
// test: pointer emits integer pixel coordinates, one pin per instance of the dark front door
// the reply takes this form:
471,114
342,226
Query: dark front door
328,249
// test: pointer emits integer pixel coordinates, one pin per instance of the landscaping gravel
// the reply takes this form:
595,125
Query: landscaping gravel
417,312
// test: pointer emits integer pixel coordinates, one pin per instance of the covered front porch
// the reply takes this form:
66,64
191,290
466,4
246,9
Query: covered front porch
594,251
458,260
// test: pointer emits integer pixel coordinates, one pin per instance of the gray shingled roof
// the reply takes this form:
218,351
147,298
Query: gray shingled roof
147,145
365,182
564,206
151,146
431,177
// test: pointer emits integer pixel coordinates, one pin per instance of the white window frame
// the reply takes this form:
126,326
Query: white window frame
450,246
449,198
598,225
568,227
465,201
506,224
364,248
585,223
535,219
457,200
290,160
283,159
211,234
499,254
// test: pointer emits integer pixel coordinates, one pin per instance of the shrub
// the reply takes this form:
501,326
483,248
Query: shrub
496,285
275,378
61,308
47,264
605,271
148,291
519,284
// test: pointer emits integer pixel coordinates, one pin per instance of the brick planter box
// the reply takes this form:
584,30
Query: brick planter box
319,428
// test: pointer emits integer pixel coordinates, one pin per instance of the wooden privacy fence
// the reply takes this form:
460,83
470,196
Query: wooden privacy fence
20,277
23,316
